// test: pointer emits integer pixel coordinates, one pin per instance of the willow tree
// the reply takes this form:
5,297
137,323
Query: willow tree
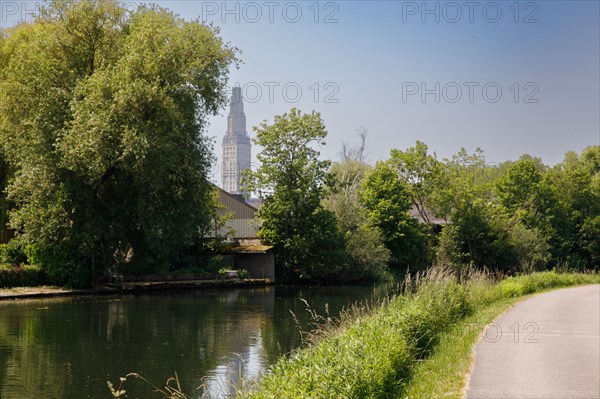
102,113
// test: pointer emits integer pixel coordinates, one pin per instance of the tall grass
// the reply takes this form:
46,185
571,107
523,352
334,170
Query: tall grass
413,344
373,351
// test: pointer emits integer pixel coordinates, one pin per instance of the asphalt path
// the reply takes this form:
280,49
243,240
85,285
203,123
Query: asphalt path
547,347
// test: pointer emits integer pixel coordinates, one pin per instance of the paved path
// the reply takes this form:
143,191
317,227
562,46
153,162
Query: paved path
32,292
51,291
552,353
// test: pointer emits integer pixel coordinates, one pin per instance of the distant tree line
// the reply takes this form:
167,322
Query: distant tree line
351,220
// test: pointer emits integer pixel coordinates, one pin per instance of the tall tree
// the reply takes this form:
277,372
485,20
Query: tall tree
422,173
528,197
101,116
577,183
291,181
517,186
388,201
477,233
367,255
352,167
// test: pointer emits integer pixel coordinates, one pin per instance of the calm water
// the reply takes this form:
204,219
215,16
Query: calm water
70,347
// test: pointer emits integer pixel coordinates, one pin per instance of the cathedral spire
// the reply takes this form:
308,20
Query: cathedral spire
236,144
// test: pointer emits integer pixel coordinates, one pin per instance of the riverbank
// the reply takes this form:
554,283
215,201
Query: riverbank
127,287
393,350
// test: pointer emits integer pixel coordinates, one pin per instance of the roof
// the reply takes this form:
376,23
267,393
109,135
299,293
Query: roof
414,213
248,249
232,203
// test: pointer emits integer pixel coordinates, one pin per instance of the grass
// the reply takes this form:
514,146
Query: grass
413,345
444,373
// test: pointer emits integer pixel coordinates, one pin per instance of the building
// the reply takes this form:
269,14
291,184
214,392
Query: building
243,249
242,223
253,256
236,145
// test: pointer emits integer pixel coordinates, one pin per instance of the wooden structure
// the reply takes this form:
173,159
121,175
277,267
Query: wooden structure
244,251
253,256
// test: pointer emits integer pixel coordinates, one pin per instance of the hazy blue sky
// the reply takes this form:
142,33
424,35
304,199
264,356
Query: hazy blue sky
366,64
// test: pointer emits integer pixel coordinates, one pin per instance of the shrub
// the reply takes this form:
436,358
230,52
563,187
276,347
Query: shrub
590,231
21,276
61,265
13,253
530,249
367,255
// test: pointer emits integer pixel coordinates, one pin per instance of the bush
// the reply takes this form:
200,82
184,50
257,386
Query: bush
530,249
21,276
61,264
484,238
13,253
530,283
590,241
367,255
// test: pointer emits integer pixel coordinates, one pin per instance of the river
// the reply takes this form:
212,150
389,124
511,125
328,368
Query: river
70,347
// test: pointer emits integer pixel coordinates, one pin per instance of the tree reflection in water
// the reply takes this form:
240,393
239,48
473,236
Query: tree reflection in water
70,347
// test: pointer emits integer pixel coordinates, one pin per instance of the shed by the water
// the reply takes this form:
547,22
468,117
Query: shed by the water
253,256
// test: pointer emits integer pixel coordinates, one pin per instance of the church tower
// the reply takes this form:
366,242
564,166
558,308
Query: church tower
236,145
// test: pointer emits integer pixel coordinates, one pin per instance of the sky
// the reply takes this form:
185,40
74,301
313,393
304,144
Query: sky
511,77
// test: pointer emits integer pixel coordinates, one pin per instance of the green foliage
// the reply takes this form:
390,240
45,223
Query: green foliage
60,264
497,214
36,265
5,174
291,181
369,356
590,240
423,176
368,257
366,254
577,182
536,282
350,171
13,253
530,249
469,179
13,275
387,201
482,236
516,190
101,117
529,198
476,237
